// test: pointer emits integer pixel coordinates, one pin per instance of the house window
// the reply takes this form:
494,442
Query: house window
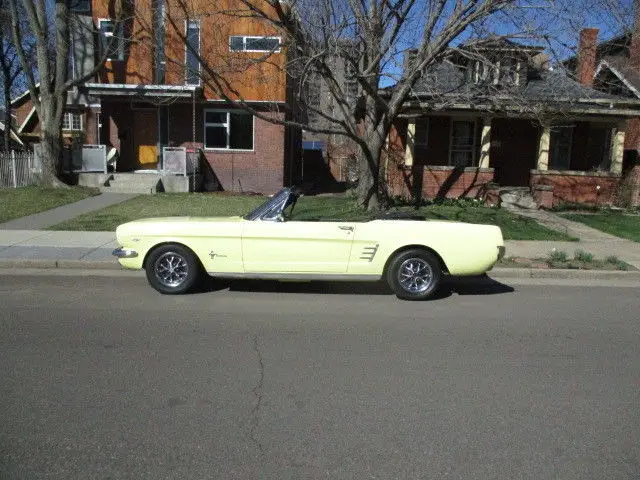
508,71
192,52
482,71
421,137
80,6
240,43
560,147
72,121
228,130
462,141
159,32
111,40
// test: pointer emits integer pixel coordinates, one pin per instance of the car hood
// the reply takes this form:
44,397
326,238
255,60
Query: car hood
172,226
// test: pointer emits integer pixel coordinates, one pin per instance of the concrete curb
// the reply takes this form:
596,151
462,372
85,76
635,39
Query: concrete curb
563,274
65,264
541,273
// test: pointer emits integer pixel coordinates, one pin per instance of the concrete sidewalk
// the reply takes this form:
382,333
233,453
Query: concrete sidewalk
63,213
51,249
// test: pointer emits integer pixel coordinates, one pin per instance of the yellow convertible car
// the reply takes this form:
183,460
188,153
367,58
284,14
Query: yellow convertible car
411,253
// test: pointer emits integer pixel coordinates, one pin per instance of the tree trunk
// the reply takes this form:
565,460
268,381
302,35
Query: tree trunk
370,194
7,116
50,150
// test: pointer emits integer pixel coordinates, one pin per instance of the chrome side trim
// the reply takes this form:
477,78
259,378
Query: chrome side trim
368,253
124,253
298,276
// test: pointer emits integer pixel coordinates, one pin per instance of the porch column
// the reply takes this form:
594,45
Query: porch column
617,148
411,135
543,149
485,143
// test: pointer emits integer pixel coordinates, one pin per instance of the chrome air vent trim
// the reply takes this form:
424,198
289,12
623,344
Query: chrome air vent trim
368,253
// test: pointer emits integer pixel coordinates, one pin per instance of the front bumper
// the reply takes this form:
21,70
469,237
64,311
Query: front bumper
124,253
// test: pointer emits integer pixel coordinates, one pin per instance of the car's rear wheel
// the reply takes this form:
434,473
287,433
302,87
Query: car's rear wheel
414,274
173,269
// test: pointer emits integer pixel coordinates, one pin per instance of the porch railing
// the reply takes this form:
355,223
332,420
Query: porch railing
18,169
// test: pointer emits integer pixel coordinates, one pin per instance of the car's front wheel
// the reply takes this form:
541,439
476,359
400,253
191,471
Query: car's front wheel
173,269
414,274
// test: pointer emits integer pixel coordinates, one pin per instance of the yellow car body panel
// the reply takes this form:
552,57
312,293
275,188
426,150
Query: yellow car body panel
230,246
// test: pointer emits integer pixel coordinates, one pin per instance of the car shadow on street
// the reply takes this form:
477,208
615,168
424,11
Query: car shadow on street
477,285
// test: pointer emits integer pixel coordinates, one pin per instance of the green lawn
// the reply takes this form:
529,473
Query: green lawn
20,202
342,208
625,226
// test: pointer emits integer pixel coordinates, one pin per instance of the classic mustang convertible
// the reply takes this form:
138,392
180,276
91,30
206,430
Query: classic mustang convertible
411,254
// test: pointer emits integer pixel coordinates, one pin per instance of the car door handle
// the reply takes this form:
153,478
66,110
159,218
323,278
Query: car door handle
343,227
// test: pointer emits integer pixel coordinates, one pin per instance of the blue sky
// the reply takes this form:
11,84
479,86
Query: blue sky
552,24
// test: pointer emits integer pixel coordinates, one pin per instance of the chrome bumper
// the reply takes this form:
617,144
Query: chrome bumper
501,251
124,253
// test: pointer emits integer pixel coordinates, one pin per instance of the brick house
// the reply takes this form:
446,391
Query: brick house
494,115
613,66
148,100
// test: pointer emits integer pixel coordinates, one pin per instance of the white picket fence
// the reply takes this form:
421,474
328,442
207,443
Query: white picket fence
18,169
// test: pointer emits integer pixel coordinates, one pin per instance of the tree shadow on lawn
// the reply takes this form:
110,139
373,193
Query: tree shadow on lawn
476,285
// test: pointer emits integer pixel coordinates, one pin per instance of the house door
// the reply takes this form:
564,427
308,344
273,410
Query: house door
514,149
145,138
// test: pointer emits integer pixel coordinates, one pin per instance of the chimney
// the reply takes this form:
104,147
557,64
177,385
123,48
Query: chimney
634,46
586,67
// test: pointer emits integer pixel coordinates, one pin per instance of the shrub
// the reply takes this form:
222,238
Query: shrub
582,256
558,256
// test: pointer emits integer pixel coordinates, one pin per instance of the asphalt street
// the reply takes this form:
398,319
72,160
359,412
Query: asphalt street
103,378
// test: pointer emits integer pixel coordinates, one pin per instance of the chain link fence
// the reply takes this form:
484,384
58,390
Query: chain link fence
18,169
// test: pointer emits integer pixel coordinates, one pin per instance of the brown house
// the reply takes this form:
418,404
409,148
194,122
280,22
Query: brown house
494,116
149,105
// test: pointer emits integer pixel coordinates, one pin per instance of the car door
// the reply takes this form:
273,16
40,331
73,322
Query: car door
296,247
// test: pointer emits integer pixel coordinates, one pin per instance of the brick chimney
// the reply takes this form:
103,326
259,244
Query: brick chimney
634,46
586,67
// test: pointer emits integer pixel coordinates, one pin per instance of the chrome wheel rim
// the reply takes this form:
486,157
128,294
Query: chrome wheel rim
415,275
171,269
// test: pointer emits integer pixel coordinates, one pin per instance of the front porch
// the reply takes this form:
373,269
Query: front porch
574,160
179,171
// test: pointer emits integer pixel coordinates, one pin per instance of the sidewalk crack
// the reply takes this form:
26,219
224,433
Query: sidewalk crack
257,393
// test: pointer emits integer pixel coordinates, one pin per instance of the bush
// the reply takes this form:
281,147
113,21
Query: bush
582,256
558,256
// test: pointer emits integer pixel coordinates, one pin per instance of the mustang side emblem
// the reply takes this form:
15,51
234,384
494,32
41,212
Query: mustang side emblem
368,253
213,254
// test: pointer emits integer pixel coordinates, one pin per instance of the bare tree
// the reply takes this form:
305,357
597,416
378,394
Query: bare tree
10,67
49,83
371,37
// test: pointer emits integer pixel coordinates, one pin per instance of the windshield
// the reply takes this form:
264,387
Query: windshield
273,206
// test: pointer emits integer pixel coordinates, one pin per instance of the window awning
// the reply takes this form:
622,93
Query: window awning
142,91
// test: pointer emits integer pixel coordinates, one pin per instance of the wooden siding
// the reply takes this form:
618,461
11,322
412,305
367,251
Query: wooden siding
251,78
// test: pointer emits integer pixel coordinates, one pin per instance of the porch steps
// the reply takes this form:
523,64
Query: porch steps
132,183
517,198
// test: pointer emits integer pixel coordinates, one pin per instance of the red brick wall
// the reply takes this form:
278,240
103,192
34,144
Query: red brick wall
578,187
21,113
629,191
587,55
437,181
261,170
632,134
91,126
